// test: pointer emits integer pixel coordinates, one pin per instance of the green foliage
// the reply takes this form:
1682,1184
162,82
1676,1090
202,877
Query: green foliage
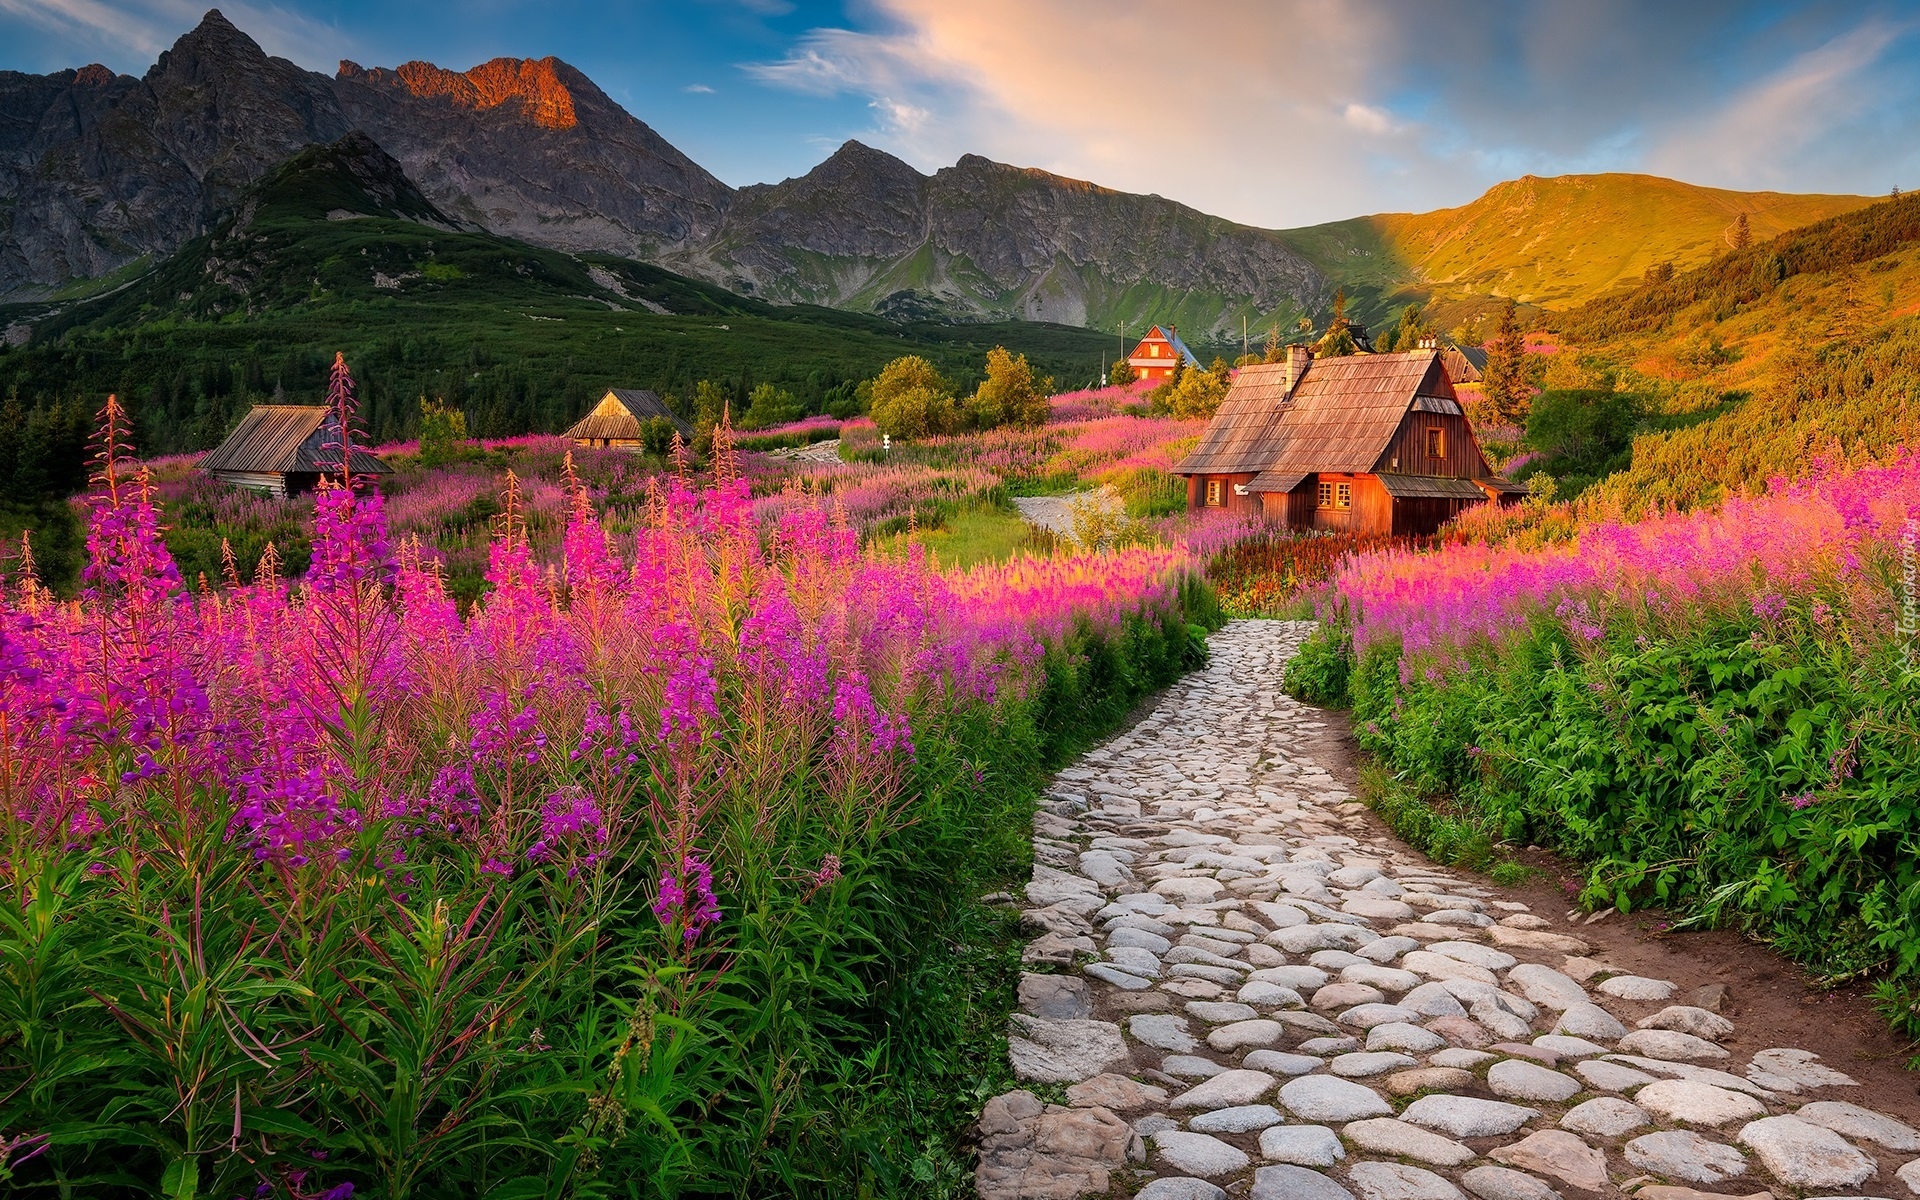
1583,435
1009,395
443,434
910,400
1506,382
769,406
1317,673
1120,374
1759,773
1190,392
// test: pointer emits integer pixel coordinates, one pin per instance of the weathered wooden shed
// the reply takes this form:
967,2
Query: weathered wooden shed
1369,443
619,421
284,449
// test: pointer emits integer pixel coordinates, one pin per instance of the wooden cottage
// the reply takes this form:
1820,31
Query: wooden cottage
619,421
1369,443
284,449
1154,357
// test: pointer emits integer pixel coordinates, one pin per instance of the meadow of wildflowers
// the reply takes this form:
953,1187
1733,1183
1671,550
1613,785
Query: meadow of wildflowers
652,872
1714,710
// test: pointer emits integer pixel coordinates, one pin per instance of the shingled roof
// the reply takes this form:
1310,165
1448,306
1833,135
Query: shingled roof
640,404
289,439
1339,417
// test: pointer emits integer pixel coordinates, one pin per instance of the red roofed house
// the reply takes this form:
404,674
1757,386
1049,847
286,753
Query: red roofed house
1368,443
1154,357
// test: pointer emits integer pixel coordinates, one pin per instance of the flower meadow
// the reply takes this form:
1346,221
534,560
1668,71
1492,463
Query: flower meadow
1716,711
650,873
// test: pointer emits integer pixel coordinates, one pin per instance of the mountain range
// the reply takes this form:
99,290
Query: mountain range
102,176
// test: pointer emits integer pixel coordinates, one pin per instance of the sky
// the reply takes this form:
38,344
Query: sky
1277,113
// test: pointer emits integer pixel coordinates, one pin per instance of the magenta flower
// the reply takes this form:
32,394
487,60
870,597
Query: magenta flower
686,900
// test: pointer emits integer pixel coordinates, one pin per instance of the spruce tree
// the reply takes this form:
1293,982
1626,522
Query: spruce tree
1505,379
1742,233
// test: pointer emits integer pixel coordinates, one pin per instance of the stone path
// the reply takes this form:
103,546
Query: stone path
1241,988
1056,512
827,451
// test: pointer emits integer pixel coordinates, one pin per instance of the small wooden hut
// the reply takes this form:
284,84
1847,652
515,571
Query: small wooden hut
284,449
1369,443
619,421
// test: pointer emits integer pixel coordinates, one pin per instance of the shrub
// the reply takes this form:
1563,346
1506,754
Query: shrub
911,400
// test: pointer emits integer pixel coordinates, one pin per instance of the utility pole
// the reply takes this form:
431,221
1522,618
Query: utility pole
1243,335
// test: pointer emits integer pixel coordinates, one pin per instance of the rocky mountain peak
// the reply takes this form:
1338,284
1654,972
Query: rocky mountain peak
213,46
539,87
94,75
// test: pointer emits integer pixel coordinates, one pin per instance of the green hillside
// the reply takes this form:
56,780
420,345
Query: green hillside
1763,362
338,251
1548,243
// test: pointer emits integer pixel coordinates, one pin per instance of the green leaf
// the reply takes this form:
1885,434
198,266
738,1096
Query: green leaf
182,1179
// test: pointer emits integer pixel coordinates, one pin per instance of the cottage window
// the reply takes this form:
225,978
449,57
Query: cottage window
1335,495
1153,352
1436,442
1325,497
1216,493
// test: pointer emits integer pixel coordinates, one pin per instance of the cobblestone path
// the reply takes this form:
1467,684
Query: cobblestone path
1242,990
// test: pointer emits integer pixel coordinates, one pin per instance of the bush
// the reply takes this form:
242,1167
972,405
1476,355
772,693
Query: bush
769,406
1317,673
909,399
1009,394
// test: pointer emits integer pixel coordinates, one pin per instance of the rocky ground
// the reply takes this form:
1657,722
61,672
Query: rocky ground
1243,987
827,451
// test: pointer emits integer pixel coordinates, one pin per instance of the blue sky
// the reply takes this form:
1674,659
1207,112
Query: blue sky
1273,112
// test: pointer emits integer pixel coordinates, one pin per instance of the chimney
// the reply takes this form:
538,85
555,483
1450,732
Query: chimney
1429,342
1298,357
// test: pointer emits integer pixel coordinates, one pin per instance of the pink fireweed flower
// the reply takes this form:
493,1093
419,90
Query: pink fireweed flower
569,815
687,900
1770,607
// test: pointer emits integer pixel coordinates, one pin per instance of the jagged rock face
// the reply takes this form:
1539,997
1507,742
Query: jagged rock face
98,170
102,169
984,239
532,149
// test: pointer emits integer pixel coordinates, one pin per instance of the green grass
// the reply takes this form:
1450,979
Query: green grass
977,532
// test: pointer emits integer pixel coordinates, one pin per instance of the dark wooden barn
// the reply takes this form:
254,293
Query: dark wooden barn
1369,443
284,449
619,421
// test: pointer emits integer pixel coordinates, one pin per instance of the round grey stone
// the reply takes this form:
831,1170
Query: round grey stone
1198,1154
1269,995
1475,953
1163,1031
1395,1181
1547,987
1585,1020
1530,1081
1860,1124
1804,1155
1190,1066
1180,1189
1468,1116
1305,1145
1687,1018
1504,1183
1244,1118
1220,1012
1382,1135
1398,1035
1685,1155
1359,1066
1569,1047
1691,1102
1228,1089
1636,987
1366,1016
1387,949
1295,1183
1280,1062
1325,1098
1669,1046
1604,1116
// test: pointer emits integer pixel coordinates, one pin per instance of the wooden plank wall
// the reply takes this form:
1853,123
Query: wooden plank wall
1409,445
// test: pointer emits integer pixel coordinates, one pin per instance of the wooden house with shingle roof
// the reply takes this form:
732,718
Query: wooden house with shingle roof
284,449
619,421
1367,443
1157,353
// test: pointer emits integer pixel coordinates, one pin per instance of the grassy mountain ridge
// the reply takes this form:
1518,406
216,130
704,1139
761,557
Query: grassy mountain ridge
1764,362
1546,242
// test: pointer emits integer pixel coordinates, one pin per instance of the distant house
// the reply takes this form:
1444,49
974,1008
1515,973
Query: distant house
619,421
1369,443
284,449
1154,357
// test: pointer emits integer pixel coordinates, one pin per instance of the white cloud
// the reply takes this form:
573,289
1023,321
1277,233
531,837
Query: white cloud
1287,112
698,89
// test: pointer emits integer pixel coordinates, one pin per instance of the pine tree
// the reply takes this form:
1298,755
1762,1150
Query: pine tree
1505,379
1742,233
